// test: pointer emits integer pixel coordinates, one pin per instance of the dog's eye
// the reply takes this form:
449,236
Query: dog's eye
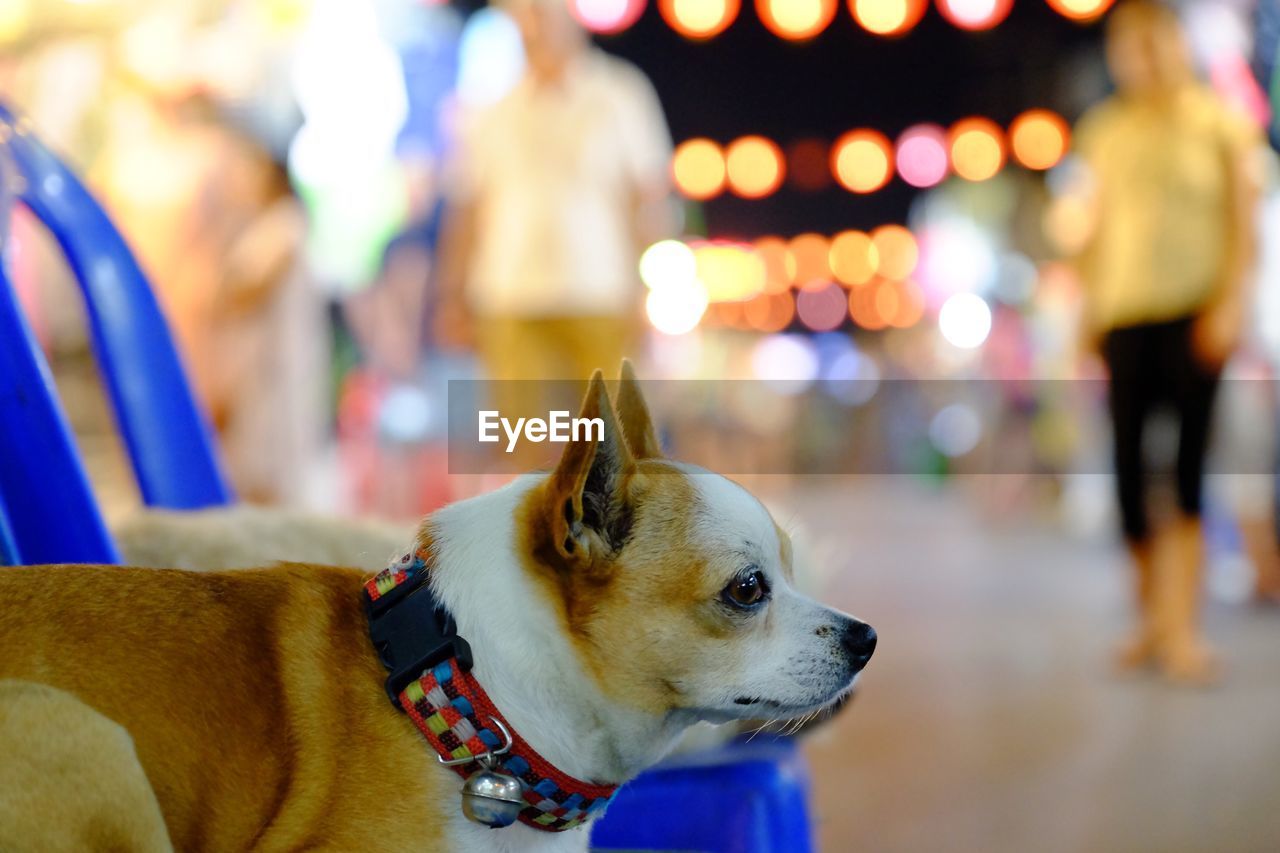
746,590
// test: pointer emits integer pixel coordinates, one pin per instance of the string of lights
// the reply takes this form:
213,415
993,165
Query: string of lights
865,160
802,20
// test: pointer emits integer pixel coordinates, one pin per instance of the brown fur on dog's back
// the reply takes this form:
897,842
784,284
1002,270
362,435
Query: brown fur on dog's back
253,697
70,778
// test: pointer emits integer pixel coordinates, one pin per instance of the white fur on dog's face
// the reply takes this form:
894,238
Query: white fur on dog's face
662,635
782,658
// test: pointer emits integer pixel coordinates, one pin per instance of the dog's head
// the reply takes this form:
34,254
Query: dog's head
676,583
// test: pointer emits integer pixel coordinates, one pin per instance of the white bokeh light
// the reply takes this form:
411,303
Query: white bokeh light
965,320
668,262
955,430
787,362
674,308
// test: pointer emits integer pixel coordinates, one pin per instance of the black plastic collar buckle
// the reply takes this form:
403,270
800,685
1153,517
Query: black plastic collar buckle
412,632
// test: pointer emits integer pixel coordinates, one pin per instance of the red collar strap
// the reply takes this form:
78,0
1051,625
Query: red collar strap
431,682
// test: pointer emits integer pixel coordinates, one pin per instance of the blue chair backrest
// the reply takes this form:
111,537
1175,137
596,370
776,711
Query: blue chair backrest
46,505
164,432
8,545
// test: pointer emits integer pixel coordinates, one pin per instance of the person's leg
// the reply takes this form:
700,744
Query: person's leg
598,342
519,355
1185,655
1129,398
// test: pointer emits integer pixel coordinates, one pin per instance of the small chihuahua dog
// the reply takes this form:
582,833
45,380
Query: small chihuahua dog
533,649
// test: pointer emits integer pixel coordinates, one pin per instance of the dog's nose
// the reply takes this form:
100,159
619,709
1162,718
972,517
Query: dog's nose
858,641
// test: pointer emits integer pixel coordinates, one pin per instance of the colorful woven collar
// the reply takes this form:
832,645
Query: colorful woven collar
430,680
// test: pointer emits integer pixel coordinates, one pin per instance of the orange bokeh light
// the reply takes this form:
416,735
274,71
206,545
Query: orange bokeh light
977,148
853,257
754,166
811,266
699,19
725,314
862,160
796,20
769,312
889,17
863,307
896,250
1039,139
698,169
779,266
1080,10
900,303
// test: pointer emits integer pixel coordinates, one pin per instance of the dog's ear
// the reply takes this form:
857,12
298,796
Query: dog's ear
633,413
590,515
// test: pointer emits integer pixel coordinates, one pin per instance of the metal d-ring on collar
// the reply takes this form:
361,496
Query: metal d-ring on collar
484,758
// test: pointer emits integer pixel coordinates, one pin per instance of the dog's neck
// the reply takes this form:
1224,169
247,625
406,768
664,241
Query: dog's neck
523,658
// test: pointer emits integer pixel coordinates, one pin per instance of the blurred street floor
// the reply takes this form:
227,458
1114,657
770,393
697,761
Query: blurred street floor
988,720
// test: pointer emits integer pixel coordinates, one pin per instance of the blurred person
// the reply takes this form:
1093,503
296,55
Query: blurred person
1165,275
268,338
558,188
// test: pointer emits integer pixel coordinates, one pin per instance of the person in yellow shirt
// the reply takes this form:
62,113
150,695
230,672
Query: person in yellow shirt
1165,276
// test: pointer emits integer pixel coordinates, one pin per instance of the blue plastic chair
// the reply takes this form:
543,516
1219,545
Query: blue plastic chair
8,545
167,438
49,511
741,798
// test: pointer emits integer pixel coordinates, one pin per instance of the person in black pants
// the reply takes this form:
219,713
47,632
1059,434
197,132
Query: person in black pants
1173,194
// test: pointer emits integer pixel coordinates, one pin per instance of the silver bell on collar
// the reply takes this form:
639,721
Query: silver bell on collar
492,797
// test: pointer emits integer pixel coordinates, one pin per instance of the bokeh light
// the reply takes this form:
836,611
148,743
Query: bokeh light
667,262
862,160
490,57
977,148
796,20
606,16
729,271
821,309
1068,223
899,303
910,304
769,312
975,14
728,314
779,266
676,308
1081,10
754,166
864,308
810,261
853,258
789,363
896,251
699,19
965,320
850,376
889,17
698,169
807,167
921,155
956,256
955,430
1039,139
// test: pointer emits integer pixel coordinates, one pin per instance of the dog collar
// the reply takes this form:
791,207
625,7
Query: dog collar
430,679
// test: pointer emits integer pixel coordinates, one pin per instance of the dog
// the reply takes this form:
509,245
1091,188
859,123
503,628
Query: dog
545,643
